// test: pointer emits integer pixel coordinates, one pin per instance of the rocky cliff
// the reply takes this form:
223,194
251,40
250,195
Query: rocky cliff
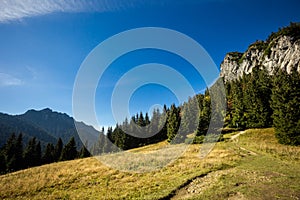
280,51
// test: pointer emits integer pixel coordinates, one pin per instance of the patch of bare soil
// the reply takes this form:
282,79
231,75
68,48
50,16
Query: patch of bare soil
198,185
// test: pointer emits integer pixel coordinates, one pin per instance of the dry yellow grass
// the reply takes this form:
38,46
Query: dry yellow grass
90,179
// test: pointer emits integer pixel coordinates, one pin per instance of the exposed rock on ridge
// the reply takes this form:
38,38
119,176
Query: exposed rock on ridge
280,51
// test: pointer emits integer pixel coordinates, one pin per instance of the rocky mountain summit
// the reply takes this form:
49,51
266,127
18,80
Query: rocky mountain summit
280,51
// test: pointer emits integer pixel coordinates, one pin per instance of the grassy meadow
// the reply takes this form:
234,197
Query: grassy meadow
252,166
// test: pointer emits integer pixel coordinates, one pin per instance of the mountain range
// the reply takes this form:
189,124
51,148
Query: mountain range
46,125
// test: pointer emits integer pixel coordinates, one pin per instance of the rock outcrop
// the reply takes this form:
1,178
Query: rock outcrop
280,51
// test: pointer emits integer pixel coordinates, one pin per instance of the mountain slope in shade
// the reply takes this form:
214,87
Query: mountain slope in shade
12,124
46,125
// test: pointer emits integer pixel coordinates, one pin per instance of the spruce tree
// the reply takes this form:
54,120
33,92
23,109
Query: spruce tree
49,155
147,119
19,152
163,123
154,125
189,114
2,163
9,152
69,151
173,125
84,152
237,105
30,153
204,115
147,129
13,152
120,137
141,121
38,154
58,149
107,147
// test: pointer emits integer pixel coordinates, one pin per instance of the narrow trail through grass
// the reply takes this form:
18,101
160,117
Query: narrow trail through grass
198,184
233,137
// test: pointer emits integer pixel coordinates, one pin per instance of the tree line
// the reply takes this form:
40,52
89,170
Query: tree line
140,130
13,156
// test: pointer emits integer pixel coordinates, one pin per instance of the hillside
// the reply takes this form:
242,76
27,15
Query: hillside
46,125
250,166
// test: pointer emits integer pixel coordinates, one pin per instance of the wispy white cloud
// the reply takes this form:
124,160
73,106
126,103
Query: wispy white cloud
11,10
9,80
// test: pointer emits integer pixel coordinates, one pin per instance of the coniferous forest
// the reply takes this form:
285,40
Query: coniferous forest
14,156
260,100
257,100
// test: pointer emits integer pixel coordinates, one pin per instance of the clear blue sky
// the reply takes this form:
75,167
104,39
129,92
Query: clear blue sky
43,45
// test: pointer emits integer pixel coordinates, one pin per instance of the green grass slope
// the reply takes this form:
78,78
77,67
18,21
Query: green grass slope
252,166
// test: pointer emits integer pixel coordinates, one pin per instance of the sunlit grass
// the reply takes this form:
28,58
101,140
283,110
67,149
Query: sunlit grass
264,141
88,178
241,174
273,173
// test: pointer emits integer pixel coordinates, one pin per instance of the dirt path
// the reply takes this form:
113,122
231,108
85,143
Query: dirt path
202,183
237,135
198,185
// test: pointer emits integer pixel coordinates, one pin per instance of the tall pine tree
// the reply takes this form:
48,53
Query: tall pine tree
32,153
69,151
58,149
204,115
48,156
173,125
9,152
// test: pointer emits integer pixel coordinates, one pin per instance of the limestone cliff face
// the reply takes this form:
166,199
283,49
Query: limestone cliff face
281,50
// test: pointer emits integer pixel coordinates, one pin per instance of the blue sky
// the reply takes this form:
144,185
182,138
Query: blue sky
43,45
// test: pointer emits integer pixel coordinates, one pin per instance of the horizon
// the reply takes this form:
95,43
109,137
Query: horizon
43,49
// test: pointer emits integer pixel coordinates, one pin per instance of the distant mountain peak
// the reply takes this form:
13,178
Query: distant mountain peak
44,110
47,126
